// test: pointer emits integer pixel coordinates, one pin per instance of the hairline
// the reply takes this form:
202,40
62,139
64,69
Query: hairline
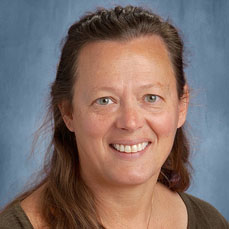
123,39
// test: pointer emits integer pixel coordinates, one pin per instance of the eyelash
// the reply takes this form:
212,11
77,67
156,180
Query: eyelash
101,99
157,97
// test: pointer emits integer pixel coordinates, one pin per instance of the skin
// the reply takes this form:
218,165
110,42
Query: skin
127,190
125,186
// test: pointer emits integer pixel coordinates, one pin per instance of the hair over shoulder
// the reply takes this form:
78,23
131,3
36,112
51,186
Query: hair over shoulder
67,202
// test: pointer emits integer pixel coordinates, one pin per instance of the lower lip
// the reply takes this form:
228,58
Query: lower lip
130,156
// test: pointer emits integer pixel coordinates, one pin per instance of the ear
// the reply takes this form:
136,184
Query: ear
183,106
66,113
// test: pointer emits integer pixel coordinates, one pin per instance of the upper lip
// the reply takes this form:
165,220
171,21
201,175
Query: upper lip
130,142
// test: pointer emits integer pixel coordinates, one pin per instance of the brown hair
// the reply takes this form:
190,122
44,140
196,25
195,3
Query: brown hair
66,201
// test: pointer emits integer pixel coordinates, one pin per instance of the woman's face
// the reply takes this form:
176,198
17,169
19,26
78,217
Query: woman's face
125,97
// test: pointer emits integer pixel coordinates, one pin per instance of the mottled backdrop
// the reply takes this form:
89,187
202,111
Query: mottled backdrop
30,36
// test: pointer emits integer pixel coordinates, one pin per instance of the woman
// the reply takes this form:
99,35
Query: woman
119,157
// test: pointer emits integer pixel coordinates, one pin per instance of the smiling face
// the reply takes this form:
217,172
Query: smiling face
125,94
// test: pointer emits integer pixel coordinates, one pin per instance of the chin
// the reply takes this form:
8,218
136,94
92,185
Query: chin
133,178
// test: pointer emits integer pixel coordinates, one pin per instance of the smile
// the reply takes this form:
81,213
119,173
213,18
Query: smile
130,148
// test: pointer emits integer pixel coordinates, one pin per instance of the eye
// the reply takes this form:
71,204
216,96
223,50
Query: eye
103,101
151,98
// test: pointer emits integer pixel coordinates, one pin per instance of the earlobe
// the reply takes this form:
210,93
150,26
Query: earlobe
68,122
183,106
66,114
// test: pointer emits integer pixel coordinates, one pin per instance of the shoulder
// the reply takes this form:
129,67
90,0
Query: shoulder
31,205
24,213
14,217
202,214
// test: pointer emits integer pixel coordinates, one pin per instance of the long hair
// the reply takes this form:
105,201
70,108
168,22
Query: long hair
67,202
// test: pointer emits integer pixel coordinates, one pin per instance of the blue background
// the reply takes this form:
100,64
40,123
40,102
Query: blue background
30,35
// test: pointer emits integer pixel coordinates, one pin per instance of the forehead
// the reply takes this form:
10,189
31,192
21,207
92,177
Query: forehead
144,58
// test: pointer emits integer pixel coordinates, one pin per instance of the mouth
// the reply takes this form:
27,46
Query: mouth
130,149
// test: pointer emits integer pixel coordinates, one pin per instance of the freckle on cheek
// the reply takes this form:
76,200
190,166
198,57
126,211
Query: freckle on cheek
165,127
93,128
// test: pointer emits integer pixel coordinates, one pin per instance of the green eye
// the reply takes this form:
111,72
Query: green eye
103,101
151,98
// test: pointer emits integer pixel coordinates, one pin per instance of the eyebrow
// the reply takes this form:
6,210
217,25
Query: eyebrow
145,86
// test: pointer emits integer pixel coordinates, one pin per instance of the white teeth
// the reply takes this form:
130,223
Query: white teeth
130,148
122,148
134,148
139,147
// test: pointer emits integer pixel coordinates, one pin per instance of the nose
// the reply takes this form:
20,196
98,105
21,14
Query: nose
130,118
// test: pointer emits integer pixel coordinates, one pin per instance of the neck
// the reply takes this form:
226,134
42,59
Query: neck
125,207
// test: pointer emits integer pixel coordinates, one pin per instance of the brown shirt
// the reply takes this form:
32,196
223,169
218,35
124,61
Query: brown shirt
201,215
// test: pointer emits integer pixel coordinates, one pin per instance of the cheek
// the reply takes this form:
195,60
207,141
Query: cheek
91,125
90,131
164,124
